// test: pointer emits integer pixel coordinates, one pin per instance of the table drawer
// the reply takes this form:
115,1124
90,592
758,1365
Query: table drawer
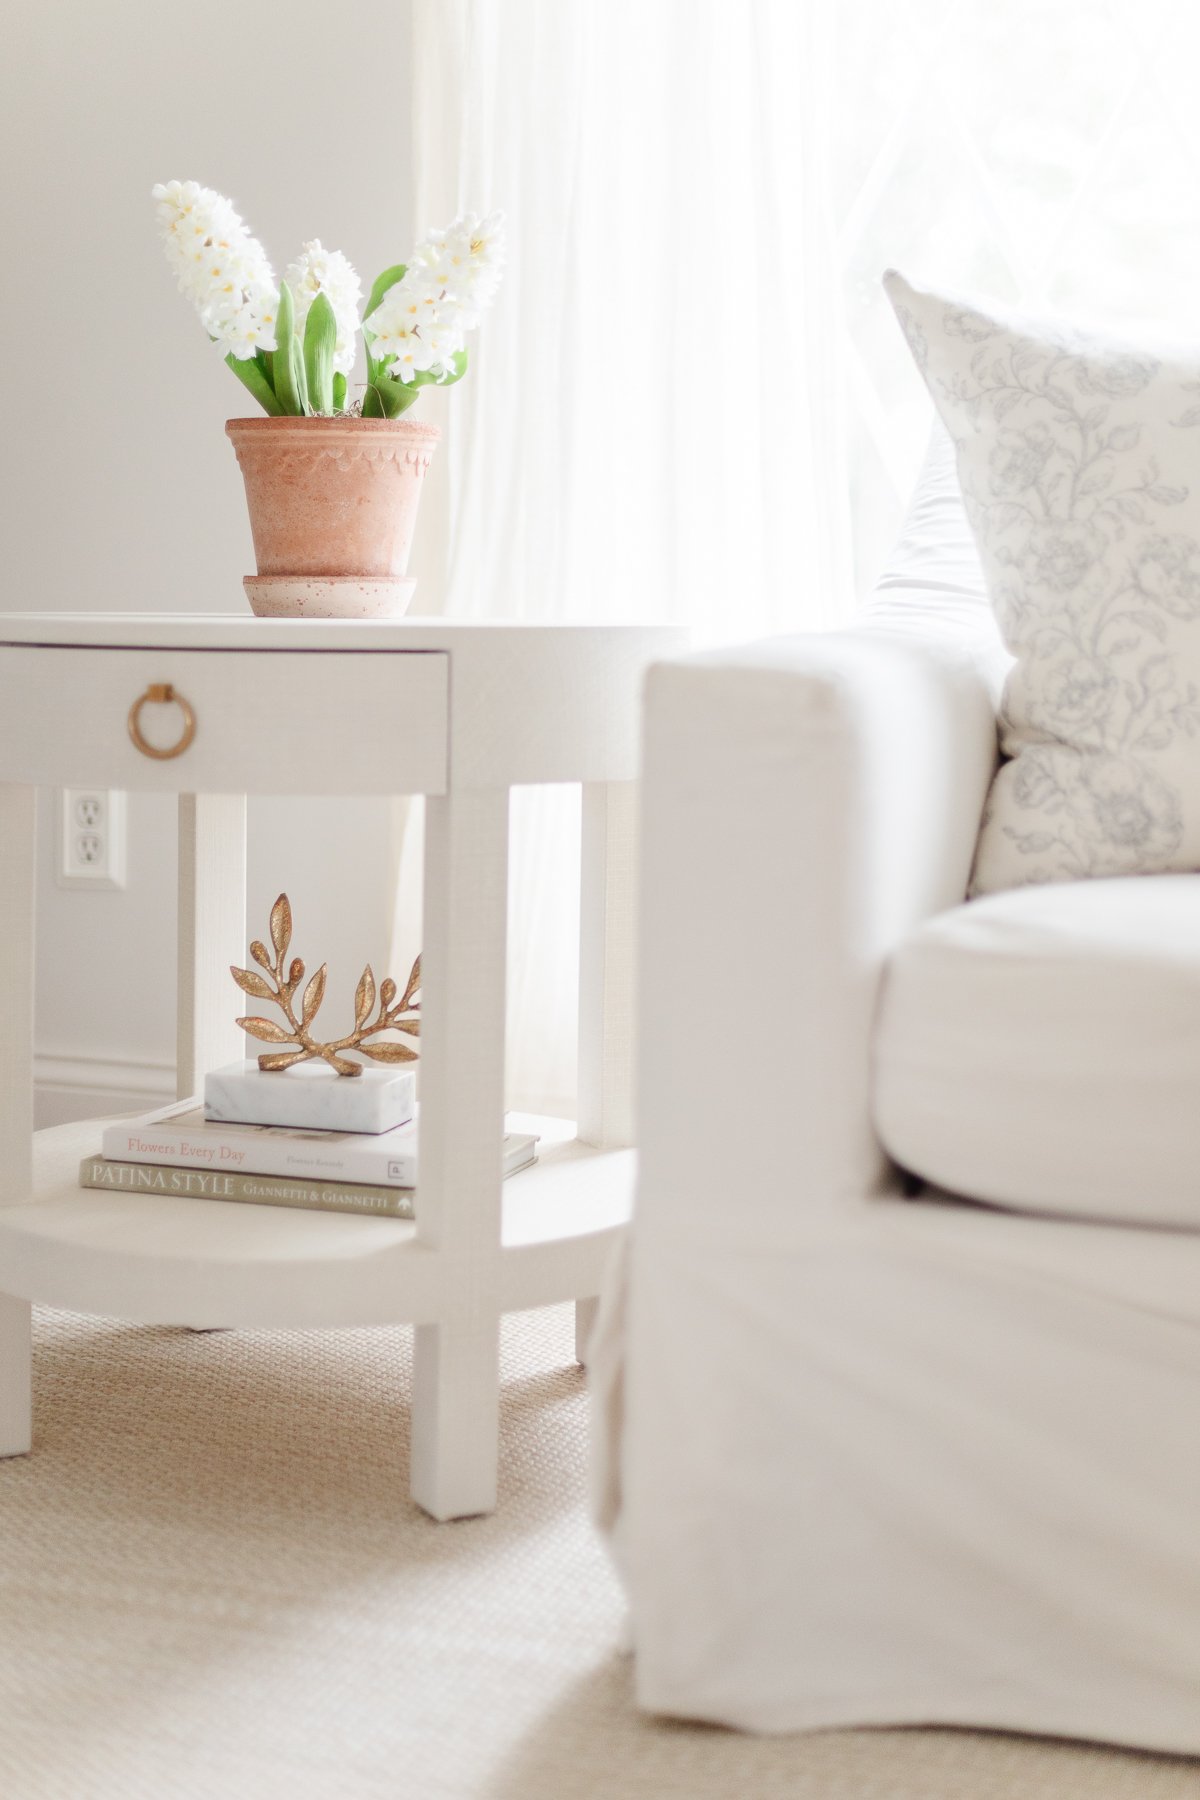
266,722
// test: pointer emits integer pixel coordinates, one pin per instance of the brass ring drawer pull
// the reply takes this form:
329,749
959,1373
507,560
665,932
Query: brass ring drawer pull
162,693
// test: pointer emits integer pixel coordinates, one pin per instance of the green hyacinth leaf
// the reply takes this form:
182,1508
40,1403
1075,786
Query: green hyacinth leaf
320,342
299,376
339,391
288,390
373,402
404,396
393,397
252,377
382,283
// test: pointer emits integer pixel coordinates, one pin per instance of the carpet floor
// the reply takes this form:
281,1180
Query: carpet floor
213,1587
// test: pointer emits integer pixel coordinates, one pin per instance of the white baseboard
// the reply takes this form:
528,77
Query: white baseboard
87,1087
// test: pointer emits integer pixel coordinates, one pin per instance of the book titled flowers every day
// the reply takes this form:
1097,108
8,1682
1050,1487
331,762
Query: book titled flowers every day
179,1136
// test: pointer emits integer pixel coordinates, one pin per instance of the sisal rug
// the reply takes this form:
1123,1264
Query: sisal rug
212,1587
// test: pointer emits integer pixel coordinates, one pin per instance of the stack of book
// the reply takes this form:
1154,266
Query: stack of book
178,1151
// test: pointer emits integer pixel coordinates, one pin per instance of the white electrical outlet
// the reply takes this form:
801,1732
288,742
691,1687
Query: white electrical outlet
91,838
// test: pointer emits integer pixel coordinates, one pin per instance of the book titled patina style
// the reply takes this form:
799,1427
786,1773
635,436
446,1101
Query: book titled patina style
208,1181
255,1190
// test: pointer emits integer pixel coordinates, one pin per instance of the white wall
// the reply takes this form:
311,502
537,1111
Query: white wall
120,490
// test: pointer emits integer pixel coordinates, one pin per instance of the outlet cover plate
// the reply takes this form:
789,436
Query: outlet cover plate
91,838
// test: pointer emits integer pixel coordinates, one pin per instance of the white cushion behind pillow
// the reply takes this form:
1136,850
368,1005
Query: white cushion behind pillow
936,553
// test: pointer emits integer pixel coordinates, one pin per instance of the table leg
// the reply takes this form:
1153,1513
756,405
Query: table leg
18,833
606,953
456,1399
456,1416
585,1324
606,982
16,1370
212,934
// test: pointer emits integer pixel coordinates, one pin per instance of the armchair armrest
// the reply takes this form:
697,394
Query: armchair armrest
806,802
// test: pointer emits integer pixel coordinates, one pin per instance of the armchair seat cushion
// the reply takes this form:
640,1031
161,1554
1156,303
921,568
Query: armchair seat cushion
1040,1049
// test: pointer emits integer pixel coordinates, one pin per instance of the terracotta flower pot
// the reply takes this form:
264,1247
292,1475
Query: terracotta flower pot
333,506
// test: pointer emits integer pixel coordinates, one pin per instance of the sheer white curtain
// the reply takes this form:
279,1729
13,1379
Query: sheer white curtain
652,428
1043,151
691,401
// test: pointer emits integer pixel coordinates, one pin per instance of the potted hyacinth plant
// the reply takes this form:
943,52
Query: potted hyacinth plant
332,468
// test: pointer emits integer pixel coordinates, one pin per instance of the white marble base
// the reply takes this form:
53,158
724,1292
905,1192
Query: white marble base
312,1096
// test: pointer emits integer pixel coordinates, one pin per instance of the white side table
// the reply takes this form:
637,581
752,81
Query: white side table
459,713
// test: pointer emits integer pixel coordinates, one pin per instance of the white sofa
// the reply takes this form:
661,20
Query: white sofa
868,1458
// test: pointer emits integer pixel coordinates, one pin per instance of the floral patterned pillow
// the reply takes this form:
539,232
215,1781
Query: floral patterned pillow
1079,461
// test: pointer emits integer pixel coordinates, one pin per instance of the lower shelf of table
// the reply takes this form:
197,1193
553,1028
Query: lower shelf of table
159,1259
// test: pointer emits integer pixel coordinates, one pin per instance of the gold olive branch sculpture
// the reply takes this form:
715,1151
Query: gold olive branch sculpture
280,989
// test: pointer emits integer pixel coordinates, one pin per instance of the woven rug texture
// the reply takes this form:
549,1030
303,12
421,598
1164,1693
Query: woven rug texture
213,1587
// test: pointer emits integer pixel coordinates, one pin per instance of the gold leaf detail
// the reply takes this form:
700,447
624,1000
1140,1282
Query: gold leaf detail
281,926
267,1030
314,993
388,1053
250,983
414,982
282,982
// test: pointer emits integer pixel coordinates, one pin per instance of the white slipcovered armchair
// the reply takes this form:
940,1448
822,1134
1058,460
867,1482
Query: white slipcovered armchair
869,1458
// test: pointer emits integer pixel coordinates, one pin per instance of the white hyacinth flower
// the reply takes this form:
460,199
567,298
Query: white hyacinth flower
316,271
403,324
442,342
420,323
219,265
465,261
